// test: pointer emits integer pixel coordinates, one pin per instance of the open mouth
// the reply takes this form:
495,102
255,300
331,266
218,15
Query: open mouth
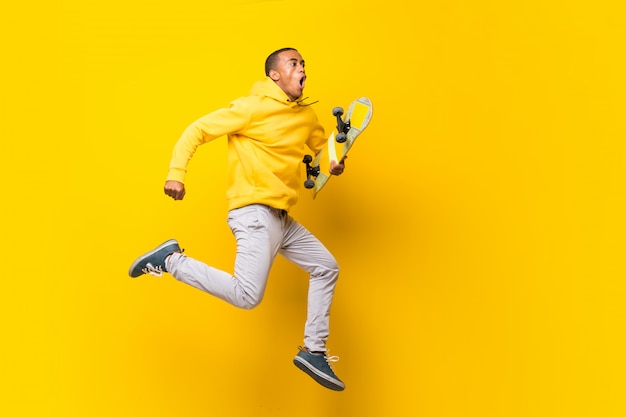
302,81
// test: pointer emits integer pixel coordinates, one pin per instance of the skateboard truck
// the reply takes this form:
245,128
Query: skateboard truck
342,127
310,171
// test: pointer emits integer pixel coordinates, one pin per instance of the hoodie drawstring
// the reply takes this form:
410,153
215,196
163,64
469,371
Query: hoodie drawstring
301,102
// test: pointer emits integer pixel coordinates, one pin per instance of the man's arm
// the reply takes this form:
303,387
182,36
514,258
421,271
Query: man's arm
219,123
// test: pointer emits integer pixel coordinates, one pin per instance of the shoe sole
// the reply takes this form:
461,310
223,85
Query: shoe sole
318,376
171,242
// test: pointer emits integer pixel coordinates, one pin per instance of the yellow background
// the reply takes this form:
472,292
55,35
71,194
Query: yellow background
479,225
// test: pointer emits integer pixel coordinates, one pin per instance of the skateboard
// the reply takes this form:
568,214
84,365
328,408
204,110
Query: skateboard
349,128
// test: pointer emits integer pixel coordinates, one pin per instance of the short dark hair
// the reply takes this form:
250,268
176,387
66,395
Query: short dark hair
270,62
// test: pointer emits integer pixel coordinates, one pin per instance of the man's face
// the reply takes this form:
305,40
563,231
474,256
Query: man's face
289,74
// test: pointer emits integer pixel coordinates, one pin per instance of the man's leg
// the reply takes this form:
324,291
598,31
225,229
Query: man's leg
257,230
305,250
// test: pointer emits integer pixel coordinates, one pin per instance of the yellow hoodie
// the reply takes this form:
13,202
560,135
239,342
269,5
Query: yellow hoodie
267,134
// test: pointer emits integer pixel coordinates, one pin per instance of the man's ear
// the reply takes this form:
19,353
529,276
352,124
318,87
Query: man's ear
274,75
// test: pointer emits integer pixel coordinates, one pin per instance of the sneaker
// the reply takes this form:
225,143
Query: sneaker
317,366
153,262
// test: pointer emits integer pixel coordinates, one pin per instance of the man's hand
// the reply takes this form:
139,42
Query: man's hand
336,168
174,189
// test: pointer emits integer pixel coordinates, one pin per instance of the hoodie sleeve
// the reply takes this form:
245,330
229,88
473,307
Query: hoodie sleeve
317,139
221,122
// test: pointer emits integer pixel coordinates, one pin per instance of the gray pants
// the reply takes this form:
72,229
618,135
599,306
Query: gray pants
261,233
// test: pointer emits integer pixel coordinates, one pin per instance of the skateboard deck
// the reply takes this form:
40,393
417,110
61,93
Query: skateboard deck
339,143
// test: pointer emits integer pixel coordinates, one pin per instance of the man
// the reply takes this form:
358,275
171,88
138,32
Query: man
267,134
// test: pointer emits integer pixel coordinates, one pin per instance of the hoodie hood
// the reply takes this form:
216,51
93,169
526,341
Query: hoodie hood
268,88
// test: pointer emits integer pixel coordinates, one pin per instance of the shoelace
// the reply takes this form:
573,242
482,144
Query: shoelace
332,359
149,269
329,359
158,271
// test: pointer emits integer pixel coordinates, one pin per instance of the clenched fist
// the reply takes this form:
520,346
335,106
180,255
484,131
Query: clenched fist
174,189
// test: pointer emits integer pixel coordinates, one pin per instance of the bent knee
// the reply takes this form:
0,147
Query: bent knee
328,269
248,302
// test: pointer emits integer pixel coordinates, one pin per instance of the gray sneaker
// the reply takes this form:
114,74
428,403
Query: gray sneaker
153,262
317,366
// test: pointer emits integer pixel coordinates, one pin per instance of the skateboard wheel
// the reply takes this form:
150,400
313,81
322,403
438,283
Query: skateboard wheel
309,184
341,138
307,159
337,111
